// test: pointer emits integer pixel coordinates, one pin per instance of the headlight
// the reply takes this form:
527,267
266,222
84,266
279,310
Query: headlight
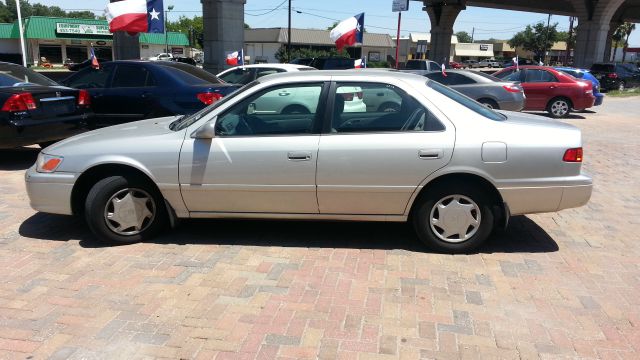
48,163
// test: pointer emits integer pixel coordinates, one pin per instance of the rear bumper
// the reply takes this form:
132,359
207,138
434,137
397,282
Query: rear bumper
22,132
573,192
512,105
50,193
584,102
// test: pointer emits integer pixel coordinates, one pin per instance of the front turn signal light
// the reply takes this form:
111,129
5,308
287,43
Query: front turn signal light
48,163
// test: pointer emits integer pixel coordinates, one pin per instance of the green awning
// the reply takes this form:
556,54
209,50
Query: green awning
53,28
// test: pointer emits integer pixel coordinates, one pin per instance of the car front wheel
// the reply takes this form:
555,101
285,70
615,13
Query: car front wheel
124,209
453,220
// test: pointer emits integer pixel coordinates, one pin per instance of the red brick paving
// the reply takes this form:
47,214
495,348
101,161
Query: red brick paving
562,285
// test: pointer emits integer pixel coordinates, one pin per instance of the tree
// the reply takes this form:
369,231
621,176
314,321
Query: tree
9,12
281,54
463,37
616,38
569,38
537,39
627,29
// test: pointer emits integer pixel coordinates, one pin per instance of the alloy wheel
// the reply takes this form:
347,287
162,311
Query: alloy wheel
559,108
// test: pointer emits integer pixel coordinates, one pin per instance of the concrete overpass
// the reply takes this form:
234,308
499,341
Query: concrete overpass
597,19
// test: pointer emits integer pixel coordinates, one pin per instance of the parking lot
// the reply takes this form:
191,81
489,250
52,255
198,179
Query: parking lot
560,285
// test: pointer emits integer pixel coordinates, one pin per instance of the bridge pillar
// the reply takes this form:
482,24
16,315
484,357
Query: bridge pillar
592,33
223,31
442,15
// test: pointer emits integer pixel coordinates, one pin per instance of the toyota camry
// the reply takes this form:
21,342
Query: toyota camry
452,167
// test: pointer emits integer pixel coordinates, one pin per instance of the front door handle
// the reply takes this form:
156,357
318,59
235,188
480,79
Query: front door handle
430,154
299,155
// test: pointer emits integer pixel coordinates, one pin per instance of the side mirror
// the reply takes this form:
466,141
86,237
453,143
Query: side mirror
206,131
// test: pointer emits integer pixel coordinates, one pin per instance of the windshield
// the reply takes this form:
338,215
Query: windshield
15,75
186,121
466,101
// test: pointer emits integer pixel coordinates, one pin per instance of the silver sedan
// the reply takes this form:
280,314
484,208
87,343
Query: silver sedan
448,164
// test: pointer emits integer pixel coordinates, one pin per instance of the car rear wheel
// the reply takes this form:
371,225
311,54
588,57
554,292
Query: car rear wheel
559,107
295,109
491,104
455,219
124,209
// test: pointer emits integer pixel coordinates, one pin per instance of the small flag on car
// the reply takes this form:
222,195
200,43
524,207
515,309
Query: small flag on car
515,61
94,60
443,72
360,64
236,58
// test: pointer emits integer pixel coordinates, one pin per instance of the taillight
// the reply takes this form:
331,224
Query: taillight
512,88
209,98
573,155
19,102
84,99
612,76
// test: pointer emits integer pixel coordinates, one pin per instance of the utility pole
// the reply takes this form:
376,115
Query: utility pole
546,40
289,36
568,52
473,32
166,31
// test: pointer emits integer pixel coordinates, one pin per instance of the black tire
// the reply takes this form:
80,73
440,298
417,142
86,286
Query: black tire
98,200
422,216
389,107
295,109
559,107
491,104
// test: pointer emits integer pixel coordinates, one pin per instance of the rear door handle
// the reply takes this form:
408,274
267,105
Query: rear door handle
430,154
299,155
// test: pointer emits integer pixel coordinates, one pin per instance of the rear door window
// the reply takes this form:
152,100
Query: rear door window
90,78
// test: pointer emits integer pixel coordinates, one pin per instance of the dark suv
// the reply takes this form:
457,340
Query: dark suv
332,63
615,76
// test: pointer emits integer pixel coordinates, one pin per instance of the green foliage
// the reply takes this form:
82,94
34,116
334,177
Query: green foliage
463,37
281,54
536,38
379,64
9,12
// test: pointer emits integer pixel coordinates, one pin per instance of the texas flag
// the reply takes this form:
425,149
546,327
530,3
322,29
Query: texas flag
235,58
136,16
94,60
360,64
348,32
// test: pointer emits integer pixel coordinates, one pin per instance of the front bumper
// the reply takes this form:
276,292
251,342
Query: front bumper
570,193
50,193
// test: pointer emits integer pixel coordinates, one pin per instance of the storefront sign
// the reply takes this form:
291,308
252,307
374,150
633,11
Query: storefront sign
177,51
484,47
400,5
82,29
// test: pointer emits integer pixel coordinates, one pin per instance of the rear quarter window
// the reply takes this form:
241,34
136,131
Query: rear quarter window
191,74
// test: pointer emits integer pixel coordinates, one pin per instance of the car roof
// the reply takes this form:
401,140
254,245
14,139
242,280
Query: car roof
364,74
275,66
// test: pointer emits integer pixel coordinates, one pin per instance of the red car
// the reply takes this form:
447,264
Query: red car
550,90
455,65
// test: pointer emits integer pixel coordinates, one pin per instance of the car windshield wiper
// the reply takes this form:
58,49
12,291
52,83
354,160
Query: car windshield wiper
176,122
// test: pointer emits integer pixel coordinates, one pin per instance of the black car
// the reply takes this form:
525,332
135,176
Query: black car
185,60
614,76
131,90
332,63
85,64
37,110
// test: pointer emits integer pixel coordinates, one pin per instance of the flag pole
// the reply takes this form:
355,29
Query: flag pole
398,37
24,53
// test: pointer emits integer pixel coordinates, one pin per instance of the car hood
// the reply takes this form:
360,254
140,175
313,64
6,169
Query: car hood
119,134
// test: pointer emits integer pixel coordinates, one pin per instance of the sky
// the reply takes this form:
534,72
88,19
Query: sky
498,24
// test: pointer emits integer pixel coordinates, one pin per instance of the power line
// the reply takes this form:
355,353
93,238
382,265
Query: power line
269,11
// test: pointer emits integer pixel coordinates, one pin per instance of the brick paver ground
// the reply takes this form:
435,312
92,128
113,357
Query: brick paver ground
562,285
